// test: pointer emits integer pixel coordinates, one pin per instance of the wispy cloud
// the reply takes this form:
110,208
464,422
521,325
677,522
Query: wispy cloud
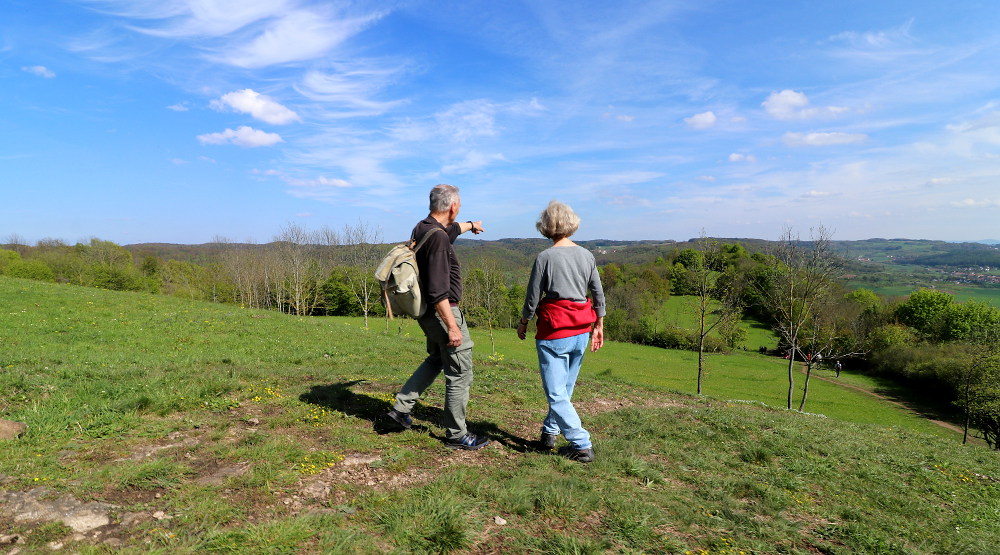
823,139
242,136
472,161
350,90
972,203
794,105
740,157
261,107
468,120
298,36
40,71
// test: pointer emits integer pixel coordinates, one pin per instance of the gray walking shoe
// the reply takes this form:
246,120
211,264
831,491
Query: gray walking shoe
401,418
468,442
579,455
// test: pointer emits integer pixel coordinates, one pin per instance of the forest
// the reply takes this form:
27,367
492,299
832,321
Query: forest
797,287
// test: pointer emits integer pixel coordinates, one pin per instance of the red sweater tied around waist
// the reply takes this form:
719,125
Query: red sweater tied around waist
558,318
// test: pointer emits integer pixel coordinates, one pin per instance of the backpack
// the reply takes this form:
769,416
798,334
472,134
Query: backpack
400,279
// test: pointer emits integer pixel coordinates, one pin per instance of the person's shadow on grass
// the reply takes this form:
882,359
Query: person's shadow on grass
341,398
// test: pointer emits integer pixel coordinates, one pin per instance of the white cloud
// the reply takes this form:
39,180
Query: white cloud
40,71
298,36
876,39
816,194
351,88
793,105
261,107
211,18
971,203
703,120
242,136
472,161
823,139
322,188
179,107
467,120
320,182
530,108
737,157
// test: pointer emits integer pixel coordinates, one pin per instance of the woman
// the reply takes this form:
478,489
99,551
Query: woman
560,279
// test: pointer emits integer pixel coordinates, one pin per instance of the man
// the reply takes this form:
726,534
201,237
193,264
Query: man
449,347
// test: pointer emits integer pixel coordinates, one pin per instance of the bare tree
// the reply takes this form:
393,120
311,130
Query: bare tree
17,243
804,278
836,329
301,279
362,251
486,295
244,267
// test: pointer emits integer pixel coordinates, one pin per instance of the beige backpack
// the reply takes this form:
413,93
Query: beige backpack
400,279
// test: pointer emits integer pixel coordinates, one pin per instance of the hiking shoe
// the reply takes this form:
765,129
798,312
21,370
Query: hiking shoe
547,442
401,418
468,442
579,455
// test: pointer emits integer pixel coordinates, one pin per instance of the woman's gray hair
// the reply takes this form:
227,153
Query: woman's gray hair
557,221
442,197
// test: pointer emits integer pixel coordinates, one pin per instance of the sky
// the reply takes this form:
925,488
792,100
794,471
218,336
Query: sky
188,121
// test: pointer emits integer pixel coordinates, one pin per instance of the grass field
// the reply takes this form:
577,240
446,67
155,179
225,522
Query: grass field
962,293
212,429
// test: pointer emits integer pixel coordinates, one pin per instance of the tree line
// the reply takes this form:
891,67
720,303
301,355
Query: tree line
926,340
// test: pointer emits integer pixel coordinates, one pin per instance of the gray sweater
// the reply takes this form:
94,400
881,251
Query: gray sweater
564,273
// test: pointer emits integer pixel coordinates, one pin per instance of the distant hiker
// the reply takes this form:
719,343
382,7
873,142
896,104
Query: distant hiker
561,278
449,348
837,367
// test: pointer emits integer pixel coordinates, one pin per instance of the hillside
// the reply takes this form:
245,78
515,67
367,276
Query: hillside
185,427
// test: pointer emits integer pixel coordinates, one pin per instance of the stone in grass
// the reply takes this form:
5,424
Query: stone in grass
11,430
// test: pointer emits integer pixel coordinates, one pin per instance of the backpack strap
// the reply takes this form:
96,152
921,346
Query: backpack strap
385,284
423,239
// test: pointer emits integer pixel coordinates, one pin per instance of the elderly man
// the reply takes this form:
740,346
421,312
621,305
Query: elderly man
449,347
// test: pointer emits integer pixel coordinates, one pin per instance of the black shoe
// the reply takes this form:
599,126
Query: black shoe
401,418
579,455
468,442
547,442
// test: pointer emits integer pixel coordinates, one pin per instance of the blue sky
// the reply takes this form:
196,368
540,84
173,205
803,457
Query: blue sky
186,120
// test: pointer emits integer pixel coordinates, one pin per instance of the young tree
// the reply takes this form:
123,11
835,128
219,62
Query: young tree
486,294
716,302
804,277
977,376
363,250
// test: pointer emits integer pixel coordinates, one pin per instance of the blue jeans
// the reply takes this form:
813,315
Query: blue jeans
559,361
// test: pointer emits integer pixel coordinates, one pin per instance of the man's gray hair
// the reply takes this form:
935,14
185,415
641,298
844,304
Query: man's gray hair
442,197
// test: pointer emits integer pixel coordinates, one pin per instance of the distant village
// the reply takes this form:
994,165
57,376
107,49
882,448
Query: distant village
975,275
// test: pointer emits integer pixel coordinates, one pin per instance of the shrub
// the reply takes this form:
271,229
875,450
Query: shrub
30,269
7,258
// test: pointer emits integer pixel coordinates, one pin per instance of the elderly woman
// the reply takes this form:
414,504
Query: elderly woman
561,278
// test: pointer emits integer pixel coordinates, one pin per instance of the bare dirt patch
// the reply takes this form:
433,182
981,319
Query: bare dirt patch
600,405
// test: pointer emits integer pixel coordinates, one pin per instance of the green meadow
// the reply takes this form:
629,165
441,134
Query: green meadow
214,429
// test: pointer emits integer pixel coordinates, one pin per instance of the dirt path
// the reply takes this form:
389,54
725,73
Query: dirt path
890,400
